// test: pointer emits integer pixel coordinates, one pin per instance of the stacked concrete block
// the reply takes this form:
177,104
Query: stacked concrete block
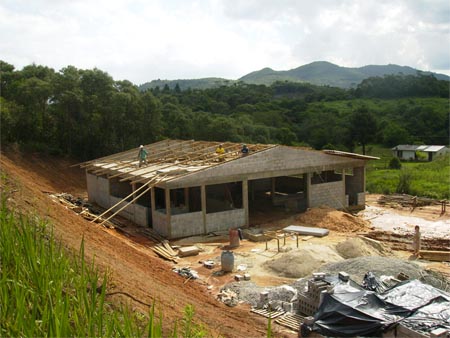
309,302
225,220
331,194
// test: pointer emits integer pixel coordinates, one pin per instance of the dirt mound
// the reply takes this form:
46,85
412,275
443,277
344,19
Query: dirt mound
332,219
302,262
356,247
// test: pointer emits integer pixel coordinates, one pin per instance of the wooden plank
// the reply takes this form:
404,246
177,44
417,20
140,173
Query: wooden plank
169,248
268,314
290,320
439,256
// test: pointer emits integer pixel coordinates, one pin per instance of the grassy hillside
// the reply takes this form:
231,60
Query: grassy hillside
47,292
427,179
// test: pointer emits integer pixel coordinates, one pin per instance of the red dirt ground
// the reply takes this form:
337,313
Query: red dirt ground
135,269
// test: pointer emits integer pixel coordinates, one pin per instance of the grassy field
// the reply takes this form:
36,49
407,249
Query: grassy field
426,179
47,292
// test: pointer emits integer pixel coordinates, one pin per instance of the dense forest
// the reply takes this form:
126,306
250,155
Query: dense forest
87,114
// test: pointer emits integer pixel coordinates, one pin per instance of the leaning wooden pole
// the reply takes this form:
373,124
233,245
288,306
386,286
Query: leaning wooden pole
127,204
115,205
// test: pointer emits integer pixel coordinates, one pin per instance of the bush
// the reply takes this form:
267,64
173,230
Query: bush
404,183
395,163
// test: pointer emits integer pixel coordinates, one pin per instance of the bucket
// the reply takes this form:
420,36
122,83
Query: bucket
227,261
234,238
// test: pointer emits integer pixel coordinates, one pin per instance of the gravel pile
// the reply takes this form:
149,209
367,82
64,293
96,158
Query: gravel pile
357,267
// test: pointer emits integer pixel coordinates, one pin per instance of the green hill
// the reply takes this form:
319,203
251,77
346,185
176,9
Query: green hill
326,73
204,83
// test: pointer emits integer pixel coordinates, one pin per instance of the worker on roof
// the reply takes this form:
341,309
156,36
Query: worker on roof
220,151
142,156
244,150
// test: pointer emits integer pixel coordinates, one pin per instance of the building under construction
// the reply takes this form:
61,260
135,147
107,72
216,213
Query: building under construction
187,189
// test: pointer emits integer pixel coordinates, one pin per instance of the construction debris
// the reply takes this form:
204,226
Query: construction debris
186,272
409,201
81,207
164,250
228,297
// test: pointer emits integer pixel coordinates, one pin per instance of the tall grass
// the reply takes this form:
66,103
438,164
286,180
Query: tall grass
427,179
46,292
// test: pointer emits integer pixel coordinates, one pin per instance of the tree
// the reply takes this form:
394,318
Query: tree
363,126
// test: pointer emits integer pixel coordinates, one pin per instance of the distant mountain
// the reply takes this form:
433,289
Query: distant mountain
326,73
208,82
318,73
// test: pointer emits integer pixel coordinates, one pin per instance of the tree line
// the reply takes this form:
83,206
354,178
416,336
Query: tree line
87,114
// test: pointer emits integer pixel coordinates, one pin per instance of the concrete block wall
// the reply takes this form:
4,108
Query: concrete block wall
225,220
160,223
278,161
91,181
128,212
189,224
102,194
141,215
330,194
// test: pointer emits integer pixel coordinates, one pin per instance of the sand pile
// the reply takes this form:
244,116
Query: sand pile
302,262
332,219
356,247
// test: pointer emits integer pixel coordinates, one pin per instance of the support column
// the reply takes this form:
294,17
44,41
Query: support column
152,199
308,190
245,201
346,203
186,198
168,212
203,200
133,189
273,188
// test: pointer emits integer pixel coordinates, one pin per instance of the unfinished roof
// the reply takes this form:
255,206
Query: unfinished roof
179,162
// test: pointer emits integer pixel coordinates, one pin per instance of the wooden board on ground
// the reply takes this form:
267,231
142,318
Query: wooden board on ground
162,251
291,320
309,231
439,256
267,313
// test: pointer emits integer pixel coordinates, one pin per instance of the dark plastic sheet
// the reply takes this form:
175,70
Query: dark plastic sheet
351,312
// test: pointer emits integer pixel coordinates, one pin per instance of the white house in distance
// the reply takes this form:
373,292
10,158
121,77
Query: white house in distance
408,152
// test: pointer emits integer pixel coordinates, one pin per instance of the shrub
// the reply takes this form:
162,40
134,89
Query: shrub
395,163
404,183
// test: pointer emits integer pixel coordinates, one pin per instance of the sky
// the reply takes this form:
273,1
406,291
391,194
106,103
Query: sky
144,40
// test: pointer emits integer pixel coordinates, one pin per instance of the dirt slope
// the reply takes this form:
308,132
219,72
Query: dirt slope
134,268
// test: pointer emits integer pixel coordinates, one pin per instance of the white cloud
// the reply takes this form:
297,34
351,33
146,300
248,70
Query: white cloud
141,40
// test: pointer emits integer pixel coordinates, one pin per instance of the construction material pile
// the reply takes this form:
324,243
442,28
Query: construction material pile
356,267
302,262
332,219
